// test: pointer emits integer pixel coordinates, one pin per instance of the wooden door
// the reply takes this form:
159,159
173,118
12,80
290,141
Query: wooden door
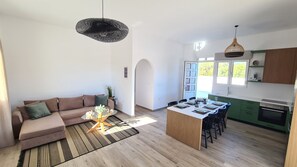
280,66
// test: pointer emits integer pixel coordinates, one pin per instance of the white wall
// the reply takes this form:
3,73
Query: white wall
166,58
121,57
144,84
45,61
278,39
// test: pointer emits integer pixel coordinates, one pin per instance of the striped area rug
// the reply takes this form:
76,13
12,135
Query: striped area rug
77,143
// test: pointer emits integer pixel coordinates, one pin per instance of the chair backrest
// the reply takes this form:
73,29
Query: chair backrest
183,100
222,112
209,120
228,106
172,103
192,98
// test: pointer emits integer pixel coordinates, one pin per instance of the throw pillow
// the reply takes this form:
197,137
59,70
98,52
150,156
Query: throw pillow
101,100
38,110
52,104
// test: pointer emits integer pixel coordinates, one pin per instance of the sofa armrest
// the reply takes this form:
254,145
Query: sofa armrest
110,103
17,121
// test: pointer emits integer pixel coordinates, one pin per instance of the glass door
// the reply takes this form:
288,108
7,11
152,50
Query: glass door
204,78
190,78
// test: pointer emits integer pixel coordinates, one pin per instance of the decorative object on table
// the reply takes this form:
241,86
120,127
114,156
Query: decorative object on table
204,100
76,139
99,115
102,29
235,49
109,91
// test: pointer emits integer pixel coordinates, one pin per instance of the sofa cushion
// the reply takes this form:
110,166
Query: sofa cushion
70,103
52,104
37,110
76,113
42,126
89,100
24,112
101,100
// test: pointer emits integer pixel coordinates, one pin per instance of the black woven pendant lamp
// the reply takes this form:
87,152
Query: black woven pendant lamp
102,29
235,49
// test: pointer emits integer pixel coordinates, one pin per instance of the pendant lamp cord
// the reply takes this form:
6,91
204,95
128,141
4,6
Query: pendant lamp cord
235,33
102,9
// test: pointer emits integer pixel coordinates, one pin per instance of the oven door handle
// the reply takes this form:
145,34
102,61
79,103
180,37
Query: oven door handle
274,110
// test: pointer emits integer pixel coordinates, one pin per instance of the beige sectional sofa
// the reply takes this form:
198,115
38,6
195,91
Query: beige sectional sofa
65,112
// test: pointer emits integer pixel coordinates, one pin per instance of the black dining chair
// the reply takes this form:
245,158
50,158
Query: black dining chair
192,98
224,116
172,103
221,118
207,125
183,100
217,124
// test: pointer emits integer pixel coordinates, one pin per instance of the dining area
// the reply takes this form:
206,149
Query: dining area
188,120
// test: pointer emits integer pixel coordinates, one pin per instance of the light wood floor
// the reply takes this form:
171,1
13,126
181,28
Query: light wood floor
240,145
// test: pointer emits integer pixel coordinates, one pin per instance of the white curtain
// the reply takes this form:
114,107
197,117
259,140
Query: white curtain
6,133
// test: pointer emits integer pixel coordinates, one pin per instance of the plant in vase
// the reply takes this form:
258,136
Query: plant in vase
99,110
109,91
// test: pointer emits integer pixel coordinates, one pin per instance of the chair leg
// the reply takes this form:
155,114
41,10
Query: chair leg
205,137
221,124
225,124
220,132
210,135
215,130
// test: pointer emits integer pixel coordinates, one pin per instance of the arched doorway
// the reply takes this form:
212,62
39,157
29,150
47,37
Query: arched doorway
144,82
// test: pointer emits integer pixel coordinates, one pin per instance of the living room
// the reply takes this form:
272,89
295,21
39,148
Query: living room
44,57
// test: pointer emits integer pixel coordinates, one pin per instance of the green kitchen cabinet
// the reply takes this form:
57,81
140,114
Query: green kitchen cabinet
249,111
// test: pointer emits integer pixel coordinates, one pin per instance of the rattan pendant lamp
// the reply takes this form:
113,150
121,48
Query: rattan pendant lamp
235,49
102,29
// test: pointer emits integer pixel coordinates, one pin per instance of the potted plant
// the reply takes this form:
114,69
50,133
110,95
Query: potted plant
109,91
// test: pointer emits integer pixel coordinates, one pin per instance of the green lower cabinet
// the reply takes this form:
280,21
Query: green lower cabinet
234,110
247,111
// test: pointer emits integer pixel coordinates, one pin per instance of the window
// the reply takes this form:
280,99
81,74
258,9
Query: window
239,73
232,72
223,73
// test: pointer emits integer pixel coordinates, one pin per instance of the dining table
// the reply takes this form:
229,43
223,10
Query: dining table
184,120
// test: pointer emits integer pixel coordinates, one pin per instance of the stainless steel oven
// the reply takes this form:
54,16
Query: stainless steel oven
272,113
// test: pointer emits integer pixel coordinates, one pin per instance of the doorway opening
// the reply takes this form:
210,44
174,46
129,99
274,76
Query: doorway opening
144,82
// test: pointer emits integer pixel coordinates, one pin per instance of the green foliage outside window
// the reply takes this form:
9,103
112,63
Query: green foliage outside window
223,69
206,68
239,69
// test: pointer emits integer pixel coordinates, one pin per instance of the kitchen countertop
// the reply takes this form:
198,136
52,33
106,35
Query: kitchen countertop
289,103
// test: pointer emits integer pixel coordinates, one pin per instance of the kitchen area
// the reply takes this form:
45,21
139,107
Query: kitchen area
262,96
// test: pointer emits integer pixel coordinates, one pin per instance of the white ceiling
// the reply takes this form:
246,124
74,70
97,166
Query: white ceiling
182,20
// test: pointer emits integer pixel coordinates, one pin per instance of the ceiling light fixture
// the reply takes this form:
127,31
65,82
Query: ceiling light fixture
102,29
235,49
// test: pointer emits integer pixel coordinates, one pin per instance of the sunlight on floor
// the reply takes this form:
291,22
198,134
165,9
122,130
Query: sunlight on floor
140,121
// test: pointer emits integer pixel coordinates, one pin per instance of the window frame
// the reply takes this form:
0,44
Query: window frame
230,72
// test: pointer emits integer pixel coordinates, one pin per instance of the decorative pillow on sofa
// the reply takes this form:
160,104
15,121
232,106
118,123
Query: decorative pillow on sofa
101,100
89,100
37,110
52,104
23,110
71,103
